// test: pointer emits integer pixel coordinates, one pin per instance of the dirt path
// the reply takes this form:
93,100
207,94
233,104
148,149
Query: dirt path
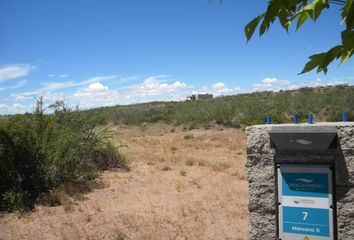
182,185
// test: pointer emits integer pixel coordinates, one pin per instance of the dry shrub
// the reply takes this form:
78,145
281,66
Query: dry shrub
173,149
183,173
166,168
190,161
108,156
117,234
67,192
217,166
220,166
188,136
55,198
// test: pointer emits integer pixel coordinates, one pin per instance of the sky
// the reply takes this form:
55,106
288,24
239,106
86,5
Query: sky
93,53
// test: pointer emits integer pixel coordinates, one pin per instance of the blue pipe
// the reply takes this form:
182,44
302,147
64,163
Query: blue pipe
344,116
296,118
310,118
267,119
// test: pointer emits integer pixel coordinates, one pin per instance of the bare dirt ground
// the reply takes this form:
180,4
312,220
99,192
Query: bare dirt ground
182,185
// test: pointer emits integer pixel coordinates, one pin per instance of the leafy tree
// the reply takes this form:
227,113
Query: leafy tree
289,11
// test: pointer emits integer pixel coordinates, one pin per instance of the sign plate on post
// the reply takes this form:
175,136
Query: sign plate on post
305,195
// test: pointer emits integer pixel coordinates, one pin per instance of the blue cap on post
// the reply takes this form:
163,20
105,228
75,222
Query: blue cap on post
344,116
296,118
310,118
267,119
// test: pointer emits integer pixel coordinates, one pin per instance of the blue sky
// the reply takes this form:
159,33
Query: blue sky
106,52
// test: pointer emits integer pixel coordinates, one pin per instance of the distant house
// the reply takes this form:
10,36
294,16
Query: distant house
204,96
192,97
199,97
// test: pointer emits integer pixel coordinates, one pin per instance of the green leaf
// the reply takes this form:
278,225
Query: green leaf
251,27
319,5
302,17
348,14
348,45
345,56
348,38
322,60
288,11
300,4
283,18
270,15
315,61
331,55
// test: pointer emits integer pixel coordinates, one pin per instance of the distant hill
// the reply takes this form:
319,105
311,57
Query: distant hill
326,104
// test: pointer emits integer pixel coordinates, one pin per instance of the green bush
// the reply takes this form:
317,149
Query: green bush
22,174
39,153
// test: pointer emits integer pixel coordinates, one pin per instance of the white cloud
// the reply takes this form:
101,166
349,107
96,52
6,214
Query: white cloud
19,97
15,108
221,89
271,81
23,96
274,84
63,75
48,90
218,89
344,80
271,84
17,85
317,83
51,75
50,86
218,86
53,96
50,96
14,71
93,88
152,86
46,86
96,94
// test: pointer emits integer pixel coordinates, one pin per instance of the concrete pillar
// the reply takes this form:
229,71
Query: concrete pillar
260,167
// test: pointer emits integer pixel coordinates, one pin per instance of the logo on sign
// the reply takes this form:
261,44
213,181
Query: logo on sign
304,180
301,141
305,184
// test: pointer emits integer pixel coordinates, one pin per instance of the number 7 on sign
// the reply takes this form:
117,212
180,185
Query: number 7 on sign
305,215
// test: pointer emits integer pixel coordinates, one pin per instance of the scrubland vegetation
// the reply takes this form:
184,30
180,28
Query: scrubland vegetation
326,103
182,177
40,153
198,191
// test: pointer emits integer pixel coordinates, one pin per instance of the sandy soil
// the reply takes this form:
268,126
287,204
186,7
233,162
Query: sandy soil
182,185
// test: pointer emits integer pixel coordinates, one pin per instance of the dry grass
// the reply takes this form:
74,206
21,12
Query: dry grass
154,200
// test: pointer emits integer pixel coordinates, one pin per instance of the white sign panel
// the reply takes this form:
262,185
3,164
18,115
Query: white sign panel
305,195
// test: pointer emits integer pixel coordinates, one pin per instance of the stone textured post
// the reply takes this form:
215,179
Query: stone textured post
261,178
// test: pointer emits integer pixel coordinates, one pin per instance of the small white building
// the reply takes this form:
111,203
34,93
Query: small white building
199,97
